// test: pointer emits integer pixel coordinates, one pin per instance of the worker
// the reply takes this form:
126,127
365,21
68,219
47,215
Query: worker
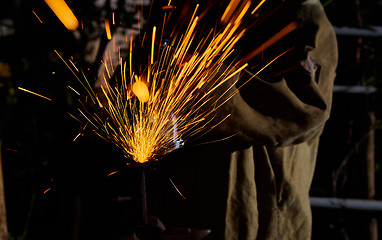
255,183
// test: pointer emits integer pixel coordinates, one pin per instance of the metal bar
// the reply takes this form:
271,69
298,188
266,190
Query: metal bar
349,204
3,217
143,196
371,31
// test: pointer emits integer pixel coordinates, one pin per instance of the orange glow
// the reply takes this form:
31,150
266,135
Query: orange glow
63,12
286,30
107,27
26,90
37,16
140,90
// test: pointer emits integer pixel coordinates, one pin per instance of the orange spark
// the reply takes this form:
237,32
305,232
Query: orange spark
282,33
63,12
168,7
177,189
77,137
36,16
152,45
112,173
258,6
243,11
47,190
26,90
229,11
107,27
113,18
74,90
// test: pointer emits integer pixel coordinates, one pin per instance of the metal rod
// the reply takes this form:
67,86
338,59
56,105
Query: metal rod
3,218
143,195
349,204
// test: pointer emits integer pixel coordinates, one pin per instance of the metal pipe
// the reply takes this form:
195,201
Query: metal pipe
349,204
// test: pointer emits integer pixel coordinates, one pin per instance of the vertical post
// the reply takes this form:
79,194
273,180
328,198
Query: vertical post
370,173
143,195
3,218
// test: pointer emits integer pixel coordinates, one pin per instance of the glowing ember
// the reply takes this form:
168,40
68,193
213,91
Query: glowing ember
63,12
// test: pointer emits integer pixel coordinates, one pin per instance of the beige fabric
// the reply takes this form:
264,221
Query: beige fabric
272,200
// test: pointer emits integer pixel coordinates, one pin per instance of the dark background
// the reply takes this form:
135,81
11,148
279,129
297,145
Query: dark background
38,152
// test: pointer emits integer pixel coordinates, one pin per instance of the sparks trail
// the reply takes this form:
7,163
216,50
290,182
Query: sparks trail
29,91
171,95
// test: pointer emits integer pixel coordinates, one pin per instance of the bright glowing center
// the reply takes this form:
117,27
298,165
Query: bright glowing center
141,91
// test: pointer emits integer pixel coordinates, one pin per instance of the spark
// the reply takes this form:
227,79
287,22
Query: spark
77,137
177,189
37,16
243,11
47,190
168,7
152,45
74,90
112,173
63,12
258,6
74,65
229,11
29,91
107,28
